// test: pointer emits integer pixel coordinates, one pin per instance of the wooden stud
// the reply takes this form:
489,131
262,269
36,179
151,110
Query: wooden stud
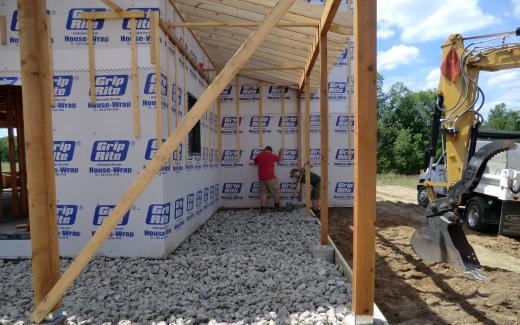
135,79
11,102
299,129
168,91
331,7
146,176
153,37
215,24
185,107
112,14
365,59
112,5
22,167
349,104
91,63
176,100
219,129
324,148
3,30
37,115
261,69
307,143
158,79
282,108
51,58
237,111
260,116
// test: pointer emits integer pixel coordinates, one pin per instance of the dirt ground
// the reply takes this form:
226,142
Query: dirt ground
408,291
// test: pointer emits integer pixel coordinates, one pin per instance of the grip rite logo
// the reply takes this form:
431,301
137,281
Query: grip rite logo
66,214
344,188
255,153
342,124
206,194
255,188
103,211
226,91
287,188
158,214
198,200
140,23
74,21
230,122
231,155
254,122
336,87
179,208
63,150
109,150
149,86
15,25
8,80
344,154
249,90
63,86
190,202
232,188
277,90
289,154
111,85
290,122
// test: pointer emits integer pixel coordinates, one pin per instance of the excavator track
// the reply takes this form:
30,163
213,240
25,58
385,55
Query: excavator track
443,239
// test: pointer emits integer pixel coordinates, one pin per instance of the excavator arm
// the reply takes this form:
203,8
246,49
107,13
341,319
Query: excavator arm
456,118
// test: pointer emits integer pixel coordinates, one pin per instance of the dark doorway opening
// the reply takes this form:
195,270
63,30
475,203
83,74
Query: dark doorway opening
194,137
14,209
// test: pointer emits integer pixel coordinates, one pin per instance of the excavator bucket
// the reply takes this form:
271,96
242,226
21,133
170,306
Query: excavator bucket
442,240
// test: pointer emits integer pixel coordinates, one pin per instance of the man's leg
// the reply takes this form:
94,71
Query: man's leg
264,192
274,188
316,196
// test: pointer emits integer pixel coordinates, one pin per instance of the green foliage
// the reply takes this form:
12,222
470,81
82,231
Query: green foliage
403,127
4,149
502,118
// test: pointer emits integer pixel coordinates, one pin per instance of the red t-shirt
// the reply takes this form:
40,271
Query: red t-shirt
265,161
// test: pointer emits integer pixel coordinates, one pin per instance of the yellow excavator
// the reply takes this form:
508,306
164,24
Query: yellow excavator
456,120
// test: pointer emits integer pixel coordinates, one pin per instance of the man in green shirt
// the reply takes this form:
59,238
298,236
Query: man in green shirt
315,183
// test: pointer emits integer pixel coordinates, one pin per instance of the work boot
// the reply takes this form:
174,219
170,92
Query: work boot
263,210
277,208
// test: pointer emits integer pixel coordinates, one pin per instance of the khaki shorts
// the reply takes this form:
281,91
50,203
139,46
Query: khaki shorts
269,186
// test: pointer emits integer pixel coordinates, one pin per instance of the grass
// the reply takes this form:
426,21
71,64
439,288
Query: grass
398,180
6,167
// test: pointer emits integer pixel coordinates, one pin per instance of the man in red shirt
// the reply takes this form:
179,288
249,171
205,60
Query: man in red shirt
268,181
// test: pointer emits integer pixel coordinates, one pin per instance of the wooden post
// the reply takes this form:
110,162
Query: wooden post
51,58
34,57
364,158
237,111
153,32
135,79
146,176
282,108
324,132
260,116
3,30
158,78
176,99
307,140
12,156
185,107
299,130
349,102
219,130
91,63
168,90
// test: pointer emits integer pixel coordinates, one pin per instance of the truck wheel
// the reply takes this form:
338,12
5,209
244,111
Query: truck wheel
422,196
476,210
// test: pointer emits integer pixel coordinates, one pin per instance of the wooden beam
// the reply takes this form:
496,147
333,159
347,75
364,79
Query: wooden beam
237,112
185,52
349,102
153,32
299,129
176,100
219,129
260,116
215,24
327,17
185,107
324,136
3,30
112,14
91,63
146,176
158,79
168,90
307,143
365,59
34,57
263,68
112,5
282,109
51,58
135,79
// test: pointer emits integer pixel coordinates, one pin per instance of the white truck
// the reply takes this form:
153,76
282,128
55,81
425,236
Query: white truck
495,200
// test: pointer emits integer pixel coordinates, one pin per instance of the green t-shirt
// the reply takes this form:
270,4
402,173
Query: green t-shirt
315,179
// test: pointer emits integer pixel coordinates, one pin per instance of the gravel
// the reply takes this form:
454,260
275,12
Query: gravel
239,268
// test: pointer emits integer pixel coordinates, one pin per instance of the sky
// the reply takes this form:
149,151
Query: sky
411,32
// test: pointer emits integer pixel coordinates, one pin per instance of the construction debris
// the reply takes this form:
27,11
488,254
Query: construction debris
239,268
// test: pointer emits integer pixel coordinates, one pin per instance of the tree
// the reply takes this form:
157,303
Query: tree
502,118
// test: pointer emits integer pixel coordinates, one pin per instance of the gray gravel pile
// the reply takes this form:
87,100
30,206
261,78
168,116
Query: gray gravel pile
239,268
